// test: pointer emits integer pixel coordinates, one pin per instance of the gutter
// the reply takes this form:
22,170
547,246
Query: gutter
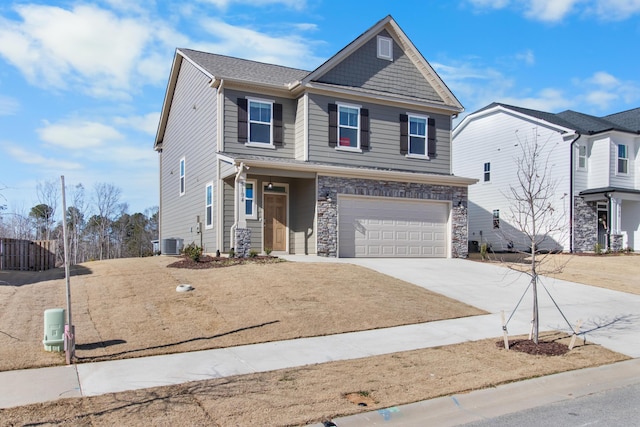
232,231
571,187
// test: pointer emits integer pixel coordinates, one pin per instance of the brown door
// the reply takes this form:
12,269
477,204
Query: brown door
275,222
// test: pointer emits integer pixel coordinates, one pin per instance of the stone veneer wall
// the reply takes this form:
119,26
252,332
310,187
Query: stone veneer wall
616,242
329,187
243,242
585,225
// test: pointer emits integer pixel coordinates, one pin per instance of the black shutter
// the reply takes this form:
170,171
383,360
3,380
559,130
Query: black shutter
242,120
278,137
333,125
404,134
431,136
364,128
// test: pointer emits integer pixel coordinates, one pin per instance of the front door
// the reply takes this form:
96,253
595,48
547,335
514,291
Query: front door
275,222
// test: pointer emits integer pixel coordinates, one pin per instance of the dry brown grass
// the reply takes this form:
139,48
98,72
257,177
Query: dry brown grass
618,272
313,393
130,308
246,304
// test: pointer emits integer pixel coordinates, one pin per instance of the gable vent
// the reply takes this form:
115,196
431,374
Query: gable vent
385,48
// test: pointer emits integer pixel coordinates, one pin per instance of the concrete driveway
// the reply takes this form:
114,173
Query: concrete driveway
609,318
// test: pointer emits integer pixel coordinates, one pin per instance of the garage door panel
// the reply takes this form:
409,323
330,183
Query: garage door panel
384,227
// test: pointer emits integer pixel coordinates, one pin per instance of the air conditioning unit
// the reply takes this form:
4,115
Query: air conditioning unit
171,246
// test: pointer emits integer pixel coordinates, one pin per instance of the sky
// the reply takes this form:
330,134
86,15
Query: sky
82,82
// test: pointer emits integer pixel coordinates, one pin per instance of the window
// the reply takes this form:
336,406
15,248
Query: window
487,172
250,199
385,48
182,176
260,121
496,218
417,135
623,159
348,126
208,215
582,156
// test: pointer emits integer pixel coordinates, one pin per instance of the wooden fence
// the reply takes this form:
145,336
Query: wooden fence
27,255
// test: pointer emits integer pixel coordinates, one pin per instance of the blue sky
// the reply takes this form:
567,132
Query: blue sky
82,82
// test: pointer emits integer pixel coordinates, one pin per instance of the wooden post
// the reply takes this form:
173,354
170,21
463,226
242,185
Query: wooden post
504,332
575,335
69,330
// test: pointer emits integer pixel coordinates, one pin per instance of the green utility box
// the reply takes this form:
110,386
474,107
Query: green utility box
54,329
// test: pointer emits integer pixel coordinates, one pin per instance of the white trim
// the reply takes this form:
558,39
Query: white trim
207,206
254,205
618,158
182,173
249,142
219,206
578,156
220,116
383,44
426,136
305,130
357,128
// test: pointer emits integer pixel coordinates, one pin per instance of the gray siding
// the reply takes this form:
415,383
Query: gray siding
384,151
302,235
231,144
227,215
364,69
190,133
299,142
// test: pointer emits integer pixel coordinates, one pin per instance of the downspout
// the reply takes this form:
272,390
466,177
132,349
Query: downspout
571,185
608,224
235,205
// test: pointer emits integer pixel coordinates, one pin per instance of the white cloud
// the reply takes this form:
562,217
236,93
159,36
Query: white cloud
84,48
30,158
8,106
548,99
291,4
549,10
603,89
78,135
147,123
616,9
491,4
527,57
291,50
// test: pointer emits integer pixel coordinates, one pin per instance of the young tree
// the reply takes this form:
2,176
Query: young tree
536,213
107,203
48,194
42,215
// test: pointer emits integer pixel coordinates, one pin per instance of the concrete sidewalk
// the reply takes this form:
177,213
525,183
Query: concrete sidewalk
482,285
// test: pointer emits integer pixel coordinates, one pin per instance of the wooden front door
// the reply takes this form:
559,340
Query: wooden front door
275,222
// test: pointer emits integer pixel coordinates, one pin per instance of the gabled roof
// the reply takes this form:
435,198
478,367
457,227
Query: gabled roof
229,68
390,25
569,120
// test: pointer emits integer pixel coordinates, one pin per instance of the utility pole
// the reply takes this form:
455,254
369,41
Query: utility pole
69,330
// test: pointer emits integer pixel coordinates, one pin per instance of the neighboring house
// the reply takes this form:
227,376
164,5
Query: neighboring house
352,159
594,161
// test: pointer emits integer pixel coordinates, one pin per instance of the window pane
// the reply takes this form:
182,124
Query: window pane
622,151
417,126
209,216
416,145
348,117
348,137
260,111
248,191
622,165
260,133
209,196
248,207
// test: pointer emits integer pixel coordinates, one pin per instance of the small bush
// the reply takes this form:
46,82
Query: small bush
597,248
267,251
483,251
253,253
232,253
193,251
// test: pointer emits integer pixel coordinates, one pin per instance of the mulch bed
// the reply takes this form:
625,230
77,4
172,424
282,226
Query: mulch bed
543,348
217,262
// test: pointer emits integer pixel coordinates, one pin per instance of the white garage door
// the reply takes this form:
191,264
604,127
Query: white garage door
384,227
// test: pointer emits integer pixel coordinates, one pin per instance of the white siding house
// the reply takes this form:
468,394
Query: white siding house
592,161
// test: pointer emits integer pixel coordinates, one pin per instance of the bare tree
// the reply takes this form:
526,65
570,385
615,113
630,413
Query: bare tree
536,213
49,195
107,203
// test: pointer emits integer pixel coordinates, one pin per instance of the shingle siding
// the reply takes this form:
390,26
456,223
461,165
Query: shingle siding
363,69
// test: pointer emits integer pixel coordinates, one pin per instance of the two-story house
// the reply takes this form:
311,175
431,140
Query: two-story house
352,159
592,161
